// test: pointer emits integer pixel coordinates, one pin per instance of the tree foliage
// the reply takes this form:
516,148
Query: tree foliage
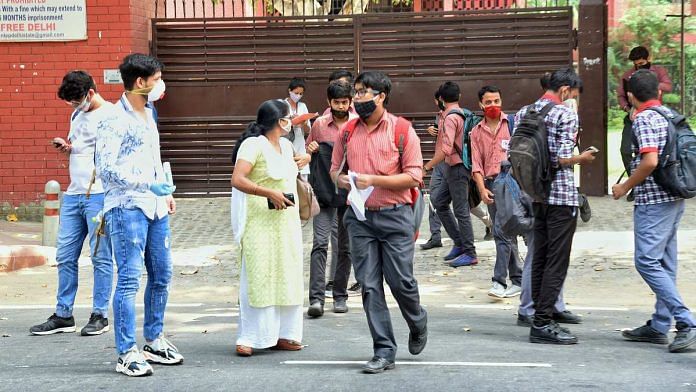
645,23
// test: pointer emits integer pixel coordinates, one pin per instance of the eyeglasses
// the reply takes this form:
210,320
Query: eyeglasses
362,93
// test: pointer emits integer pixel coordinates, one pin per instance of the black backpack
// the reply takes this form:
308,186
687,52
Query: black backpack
676,170
529,154
321,181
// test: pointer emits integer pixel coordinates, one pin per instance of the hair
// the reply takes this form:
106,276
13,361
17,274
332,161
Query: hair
339,90
544,80
643,84
377,81
295,83
76,85
138,65
437,94
450,92
639,53
488,89
341,73
267,117
564,77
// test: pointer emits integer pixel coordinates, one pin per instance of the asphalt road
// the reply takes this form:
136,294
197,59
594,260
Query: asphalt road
472,347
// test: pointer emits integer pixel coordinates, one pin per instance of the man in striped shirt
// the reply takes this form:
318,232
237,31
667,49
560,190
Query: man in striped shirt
382,243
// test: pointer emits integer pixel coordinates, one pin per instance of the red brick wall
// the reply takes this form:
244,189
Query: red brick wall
30,73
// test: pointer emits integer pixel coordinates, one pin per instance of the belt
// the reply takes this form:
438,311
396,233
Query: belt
385,208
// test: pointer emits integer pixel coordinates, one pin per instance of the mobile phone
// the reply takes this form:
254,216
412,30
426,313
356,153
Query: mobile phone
593,149
288,196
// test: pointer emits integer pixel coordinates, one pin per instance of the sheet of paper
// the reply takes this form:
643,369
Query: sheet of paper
357,197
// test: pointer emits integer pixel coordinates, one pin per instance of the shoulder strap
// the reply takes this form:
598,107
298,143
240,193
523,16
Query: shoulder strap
345,137
546,109
401,134
672,121
74,115
511,123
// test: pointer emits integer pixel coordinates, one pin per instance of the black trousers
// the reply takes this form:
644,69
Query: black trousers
554,227
382,250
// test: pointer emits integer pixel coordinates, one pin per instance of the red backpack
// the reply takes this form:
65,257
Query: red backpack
400,140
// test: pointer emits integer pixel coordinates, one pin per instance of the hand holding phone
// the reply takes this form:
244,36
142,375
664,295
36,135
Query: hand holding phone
592,149
281,201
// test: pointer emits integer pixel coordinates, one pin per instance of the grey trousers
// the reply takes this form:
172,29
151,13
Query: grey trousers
322,224
507,257
456,191
436,181
526,302
382,249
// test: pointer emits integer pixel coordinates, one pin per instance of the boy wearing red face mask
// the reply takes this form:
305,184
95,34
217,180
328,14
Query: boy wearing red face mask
489,145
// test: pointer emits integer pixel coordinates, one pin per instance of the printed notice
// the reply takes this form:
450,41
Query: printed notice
42,20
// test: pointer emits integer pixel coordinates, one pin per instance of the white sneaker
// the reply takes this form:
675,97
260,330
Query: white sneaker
162,351
513,291
133,364
497,291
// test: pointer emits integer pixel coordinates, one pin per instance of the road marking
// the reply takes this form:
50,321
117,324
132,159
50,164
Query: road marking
33,307
509,307
472,364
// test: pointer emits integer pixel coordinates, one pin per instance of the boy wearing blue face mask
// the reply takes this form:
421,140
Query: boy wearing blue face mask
136,209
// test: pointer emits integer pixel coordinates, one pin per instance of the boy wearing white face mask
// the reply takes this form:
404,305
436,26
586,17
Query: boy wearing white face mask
137,205
82,202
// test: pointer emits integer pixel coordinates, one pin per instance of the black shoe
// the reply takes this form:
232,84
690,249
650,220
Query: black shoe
551,333
316,309
489,234
686,336
378,365
340,306
585,210
525,321
97,325
417,341
645,333
356,287
567,317
54,324
431,244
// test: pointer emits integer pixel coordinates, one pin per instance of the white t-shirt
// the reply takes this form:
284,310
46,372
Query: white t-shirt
82,137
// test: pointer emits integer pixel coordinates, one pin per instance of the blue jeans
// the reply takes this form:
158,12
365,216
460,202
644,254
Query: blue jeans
138,240
76,224
655,236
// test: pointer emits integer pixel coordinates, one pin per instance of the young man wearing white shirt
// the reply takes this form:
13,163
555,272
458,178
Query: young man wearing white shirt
80,210
136,209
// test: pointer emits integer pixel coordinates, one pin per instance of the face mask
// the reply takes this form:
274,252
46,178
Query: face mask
644,66
492,112
365,109
84,105
339,114
441,105
295,97
153,93
286,128
157,92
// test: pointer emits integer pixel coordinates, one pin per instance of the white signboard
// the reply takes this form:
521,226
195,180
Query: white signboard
42,20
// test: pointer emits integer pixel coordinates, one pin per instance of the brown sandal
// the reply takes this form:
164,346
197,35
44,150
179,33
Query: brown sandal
244,351
287,345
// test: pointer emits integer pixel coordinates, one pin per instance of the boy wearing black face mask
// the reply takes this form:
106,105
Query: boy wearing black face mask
641,60
320,141
381,241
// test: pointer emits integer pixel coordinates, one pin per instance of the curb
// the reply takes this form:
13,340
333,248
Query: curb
16,257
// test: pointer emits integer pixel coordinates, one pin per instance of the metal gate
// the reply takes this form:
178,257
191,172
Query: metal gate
219,70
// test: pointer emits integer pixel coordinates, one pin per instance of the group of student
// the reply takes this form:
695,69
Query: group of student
355,145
